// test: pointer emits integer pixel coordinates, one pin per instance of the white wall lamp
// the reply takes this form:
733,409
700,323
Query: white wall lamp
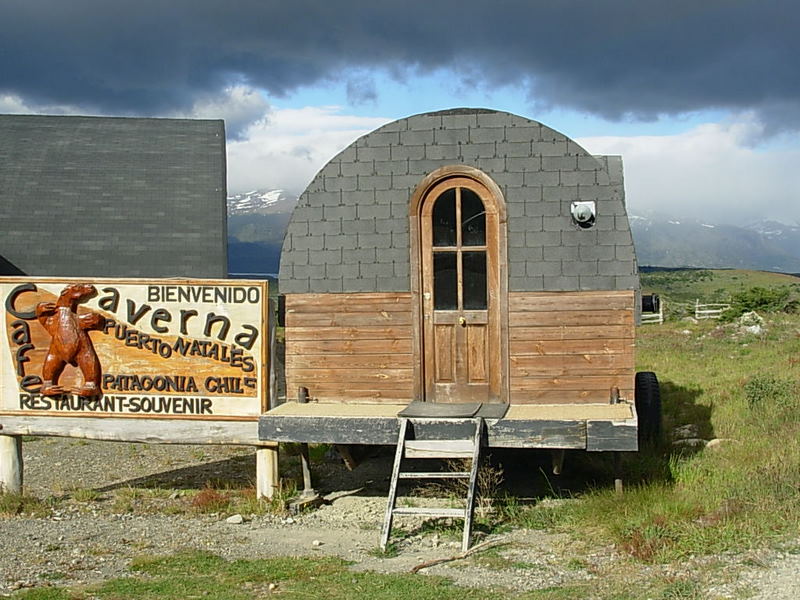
584,213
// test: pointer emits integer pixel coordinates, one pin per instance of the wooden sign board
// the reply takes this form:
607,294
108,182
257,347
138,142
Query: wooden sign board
134,349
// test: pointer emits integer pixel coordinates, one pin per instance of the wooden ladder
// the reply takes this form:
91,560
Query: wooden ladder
420,449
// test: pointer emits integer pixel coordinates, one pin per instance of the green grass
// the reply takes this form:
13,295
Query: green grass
85,495
203,575
743,494
12,504
390,552
687,285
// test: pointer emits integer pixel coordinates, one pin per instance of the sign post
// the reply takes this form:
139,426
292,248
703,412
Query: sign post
162,361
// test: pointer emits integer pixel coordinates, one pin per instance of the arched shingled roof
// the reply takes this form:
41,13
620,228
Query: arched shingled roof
350,230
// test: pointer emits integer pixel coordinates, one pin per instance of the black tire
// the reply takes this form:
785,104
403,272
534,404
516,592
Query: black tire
648,407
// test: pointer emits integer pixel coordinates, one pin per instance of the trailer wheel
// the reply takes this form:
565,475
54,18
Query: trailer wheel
648,406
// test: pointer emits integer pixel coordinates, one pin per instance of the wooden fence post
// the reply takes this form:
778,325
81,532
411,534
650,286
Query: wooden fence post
11,464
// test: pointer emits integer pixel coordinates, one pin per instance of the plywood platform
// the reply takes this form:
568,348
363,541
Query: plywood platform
607,412
596,427
593,412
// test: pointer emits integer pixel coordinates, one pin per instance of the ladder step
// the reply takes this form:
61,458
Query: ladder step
431,512
439,448
458,448
435,475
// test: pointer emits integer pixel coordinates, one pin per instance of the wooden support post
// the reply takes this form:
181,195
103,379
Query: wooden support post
10,464
618,472
305,463
267,459
308,497
308,488
267,473
345,452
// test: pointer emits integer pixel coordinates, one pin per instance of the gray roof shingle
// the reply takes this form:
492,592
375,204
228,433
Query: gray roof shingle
117,197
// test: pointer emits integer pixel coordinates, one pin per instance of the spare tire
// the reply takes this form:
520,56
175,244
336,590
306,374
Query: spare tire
648,407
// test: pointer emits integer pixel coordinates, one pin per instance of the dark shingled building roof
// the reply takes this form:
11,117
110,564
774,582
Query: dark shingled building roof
112,197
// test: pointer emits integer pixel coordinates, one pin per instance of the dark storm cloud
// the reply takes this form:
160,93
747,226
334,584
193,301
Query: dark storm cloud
615,58
361,90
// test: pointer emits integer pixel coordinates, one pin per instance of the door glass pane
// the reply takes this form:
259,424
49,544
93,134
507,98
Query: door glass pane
473,219
445,281
444,219
474,280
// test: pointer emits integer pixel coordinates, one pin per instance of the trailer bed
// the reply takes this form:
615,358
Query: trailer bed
592,427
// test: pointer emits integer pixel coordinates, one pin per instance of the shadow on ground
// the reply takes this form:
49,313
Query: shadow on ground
522,473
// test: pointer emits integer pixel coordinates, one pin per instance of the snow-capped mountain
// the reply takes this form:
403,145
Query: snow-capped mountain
666,241
261,202
786,237
257,222
774,229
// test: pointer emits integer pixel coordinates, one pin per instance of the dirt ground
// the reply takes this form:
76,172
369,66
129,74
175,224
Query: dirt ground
88,540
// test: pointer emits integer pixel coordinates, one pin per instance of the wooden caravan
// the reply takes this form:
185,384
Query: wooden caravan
462,256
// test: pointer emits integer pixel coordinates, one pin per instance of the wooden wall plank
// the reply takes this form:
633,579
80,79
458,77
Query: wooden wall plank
544,347
572,332
595,318
570,301
539,365
572,383
350,333
354,375
349,361
347,346
349,319
367,301
350,347
570,347
356,394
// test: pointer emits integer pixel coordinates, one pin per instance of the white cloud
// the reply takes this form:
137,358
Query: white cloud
287,149
712,172
11,104
239,105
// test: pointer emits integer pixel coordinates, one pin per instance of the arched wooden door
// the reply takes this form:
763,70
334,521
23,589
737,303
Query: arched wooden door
460,284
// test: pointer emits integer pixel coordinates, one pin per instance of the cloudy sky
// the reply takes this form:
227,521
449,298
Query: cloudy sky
701,97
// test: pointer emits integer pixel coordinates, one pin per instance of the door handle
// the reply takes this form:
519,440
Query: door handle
462,321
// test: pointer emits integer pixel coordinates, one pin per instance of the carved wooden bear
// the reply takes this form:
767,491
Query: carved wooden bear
71,343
